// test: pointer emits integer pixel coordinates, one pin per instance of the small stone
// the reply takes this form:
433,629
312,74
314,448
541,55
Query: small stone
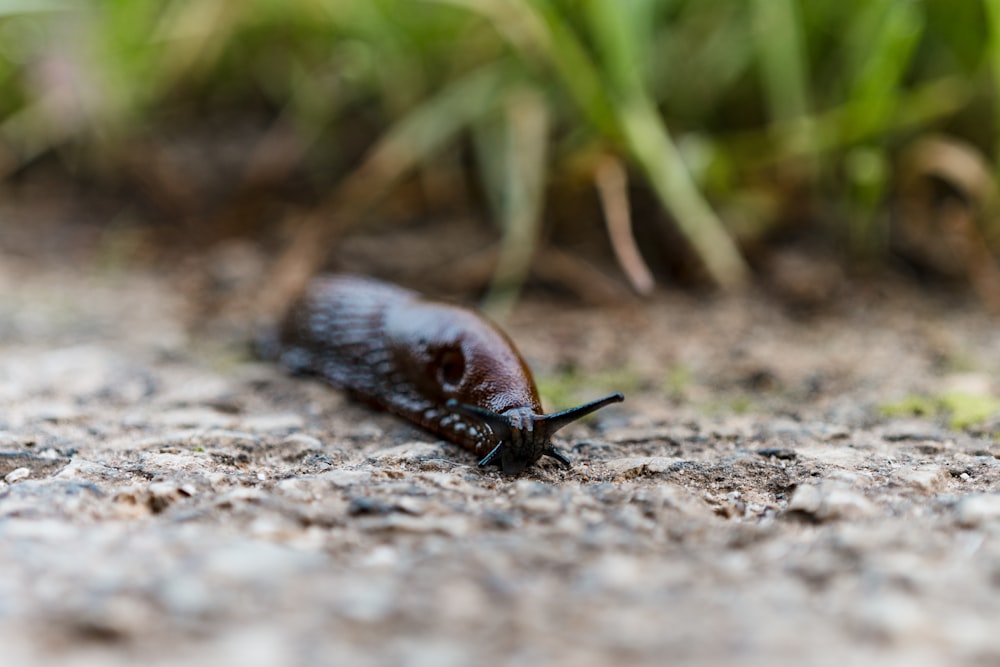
302,441
733,507
846,504
397,522
409,452
647,433
901,430
847,478
836,457
41,498
929,479
807,499
639,466
17,475
829,502
82,469
361,505
975,510
41,463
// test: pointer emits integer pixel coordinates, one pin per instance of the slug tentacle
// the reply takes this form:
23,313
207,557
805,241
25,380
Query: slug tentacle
441,366
557,420
527,435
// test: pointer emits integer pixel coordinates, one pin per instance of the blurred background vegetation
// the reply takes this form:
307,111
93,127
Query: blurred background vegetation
707,130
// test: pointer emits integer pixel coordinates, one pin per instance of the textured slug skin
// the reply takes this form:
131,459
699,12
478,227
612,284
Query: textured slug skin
393,349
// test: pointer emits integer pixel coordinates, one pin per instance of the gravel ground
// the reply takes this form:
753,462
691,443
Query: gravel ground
167,499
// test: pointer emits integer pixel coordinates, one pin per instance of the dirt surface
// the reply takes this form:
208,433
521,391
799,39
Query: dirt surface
167,499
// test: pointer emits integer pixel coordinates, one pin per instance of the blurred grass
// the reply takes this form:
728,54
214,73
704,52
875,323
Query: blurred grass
707,101
962,409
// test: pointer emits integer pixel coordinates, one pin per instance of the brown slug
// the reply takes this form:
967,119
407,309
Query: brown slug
441,366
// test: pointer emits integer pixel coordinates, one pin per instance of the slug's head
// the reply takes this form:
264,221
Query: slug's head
522,436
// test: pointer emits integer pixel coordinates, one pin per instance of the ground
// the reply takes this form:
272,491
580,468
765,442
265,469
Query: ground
762,497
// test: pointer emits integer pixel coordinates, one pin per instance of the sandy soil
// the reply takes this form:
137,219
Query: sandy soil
167,499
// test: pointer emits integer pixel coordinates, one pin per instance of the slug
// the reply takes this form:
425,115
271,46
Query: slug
440,366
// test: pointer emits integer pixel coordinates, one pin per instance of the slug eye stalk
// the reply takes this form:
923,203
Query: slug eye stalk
524,428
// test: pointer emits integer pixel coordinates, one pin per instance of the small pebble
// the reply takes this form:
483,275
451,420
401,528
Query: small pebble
303,440
901,430
807,499
929,479
829,502
17,475
408,452
644,466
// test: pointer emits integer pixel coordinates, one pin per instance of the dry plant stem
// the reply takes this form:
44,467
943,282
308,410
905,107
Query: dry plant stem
162,179
579,276
278,153
647,140
612,188
954,236
473,271
311,241
319,230
550,265
654,149
958,163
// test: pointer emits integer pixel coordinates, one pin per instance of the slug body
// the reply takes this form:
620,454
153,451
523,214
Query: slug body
441,366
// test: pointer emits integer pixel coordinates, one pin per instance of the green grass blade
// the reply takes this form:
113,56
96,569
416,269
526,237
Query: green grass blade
651,146
843,125
16,7
536,31
993,55
520,148
782,57
425,130
886,58
783,61
886,52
